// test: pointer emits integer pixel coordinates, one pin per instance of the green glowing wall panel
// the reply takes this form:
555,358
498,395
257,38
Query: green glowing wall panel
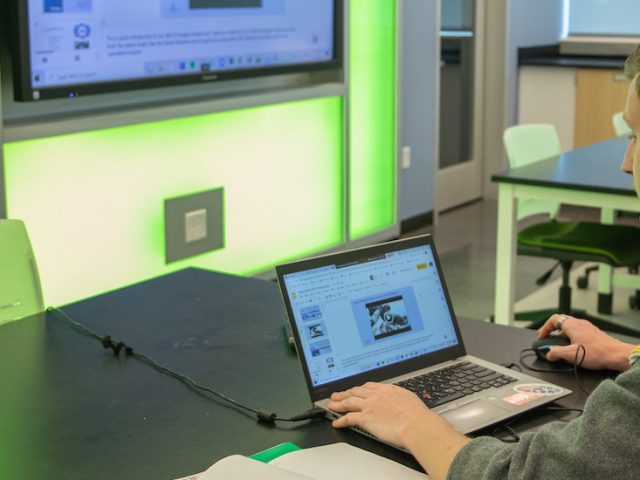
93,201
372,110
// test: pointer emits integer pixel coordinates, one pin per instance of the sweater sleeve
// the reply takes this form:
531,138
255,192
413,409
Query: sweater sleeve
601,443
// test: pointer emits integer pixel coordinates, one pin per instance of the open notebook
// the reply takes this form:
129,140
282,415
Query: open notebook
329,462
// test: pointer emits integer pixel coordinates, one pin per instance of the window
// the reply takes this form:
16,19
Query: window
604,17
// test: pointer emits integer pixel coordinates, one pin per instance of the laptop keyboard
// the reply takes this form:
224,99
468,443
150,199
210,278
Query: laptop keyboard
454,382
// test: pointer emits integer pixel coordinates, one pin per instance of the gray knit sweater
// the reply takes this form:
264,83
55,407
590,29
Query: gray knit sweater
601,443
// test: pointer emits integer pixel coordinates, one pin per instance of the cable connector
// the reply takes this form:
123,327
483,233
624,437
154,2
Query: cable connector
108,342
315,412
266,416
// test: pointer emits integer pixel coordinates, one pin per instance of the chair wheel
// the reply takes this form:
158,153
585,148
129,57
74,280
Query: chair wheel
634,302
583,282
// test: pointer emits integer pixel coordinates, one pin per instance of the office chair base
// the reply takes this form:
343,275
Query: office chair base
536,317
605,302
634,301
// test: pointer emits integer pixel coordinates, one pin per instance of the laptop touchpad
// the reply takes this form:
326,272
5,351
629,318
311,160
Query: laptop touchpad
474,414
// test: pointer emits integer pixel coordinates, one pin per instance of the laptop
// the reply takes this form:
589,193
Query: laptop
382,313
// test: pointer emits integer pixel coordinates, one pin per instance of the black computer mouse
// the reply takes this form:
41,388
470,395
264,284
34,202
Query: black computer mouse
542,345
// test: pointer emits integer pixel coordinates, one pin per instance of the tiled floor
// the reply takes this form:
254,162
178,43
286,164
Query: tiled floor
466,241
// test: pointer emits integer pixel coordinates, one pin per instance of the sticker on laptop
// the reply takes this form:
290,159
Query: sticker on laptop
542,389
521,398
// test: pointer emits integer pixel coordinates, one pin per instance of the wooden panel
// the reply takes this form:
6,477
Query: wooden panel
599,94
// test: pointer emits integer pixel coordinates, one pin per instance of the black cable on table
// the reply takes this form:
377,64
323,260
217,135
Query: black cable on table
263,415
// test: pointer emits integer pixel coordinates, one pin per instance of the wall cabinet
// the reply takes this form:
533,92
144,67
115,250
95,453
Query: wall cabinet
548,95
578,101
599,94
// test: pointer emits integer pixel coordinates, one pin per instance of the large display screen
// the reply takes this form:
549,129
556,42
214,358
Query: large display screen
74,47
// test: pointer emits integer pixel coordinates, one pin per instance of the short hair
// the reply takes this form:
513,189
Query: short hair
632,67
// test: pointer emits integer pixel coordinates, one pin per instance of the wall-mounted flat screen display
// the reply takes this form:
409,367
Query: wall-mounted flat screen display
76,47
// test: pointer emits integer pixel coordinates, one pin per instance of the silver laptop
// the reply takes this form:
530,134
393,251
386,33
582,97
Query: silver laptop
382,313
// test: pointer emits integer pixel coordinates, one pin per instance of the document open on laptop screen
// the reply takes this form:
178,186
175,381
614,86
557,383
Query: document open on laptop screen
370,313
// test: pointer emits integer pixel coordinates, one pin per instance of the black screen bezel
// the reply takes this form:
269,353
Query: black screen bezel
319,392
24,92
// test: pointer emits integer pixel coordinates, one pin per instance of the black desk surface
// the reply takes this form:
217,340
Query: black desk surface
70,409
594,168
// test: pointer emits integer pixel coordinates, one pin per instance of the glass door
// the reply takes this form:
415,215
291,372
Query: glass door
459,177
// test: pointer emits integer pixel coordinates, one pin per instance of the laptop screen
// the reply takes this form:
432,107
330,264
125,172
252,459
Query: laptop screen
367,309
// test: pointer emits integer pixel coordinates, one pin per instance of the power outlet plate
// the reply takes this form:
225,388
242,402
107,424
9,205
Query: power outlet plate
194,224
406,158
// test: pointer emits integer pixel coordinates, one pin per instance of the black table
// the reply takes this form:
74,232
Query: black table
70,409
588,176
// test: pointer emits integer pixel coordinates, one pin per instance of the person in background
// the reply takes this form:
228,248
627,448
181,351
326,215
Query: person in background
601,443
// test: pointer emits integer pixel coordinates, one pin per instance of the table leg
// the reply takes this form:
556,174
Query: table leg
505,255
605,272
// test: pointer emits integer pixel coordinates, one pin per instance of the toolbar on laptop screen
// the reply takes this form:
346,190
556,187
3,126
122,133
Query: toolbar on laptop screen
371,313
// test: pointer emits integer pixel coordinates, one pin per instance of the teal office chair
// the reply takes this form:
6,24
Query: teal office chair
20,291
567,242
620,126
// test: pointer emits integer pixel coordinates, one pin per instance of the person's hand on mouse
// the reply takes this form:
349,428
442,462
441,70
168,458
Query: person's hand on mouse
601,350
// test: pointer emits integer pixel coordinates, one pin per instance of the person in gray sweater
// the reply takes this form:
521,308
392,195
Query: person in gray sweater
601,443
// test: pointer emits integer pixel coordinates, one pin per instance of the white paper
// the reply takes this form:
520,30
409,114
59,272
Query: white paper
329,462
237,467
341,460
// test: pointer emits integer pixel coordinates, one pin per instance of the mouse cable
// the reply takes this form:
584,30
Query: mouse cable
107,341
513,433
511,365
581,353
552,408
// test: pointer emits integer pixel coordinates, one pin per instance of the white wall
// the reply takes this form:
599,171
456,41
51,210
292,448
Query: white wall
510,24
529,23
417,109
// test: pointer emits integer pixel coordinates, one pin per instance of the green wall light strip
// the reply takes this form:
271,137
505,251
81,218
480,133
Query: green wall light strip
93,201
372,116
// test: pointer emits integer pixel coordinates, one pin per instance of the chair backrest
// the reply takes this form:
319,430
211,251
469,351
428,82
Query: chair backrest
530,143
20,291
619,125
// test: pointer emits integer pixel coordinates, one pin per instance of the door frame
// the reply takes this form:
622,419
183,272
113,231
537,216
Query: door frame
462,183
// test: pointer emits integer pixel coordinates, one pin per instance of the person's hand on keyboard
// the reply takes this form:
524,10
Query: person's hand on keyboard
398,416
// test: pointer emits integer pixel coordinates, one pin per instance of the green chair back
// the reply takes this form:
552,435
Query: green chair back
526,144
620,126
20,291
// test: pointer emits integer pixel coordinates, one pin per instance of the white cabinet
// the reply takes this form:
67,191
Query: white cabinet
548,95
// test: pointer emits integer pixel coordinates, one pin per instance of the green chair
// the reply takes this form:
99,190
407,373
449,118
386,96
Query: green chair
620,126
567,242
530,143
20,291
621,129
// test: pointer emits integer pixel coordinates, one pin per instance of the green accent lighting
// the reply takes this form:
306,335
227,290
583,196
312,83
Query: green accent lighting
372,110
93,201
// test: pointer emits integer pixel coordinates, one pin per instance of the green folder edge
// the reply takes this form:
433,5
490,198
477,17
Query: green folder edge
274,452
